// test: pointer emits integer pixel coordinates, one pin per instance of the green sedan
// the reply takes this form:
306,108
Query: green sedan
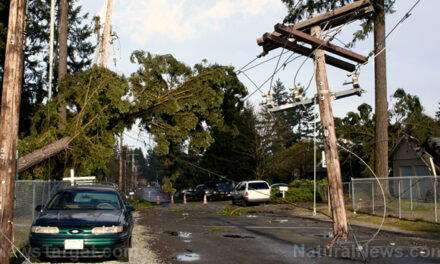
83,221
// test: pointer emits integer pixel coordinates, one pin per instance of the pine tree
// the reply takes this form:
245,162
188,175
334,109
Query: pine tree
37,54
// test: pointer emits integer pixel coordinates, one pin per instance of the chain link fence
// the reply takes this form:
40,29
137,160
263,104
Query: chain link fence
409,197
28,195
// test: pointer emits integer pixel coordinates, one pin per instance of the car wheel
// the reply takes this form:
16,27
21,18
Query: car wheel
233,201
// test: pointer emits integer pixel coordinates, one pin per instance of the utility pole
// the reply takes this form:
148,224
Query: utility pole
132,169
340,227
106,37
62,54
9,119
308,32
120,160
380,83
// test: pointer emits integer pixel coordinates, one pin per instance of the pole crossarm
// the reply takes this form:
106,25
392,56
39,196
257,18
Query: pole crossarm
280,42
316,42
337,17
314,100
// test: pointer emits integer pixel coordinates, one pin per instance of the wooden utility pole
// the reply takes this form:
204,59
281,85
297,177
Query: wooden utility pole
380,83
292,38
106,37
340,227
132,170
9,117
62,53
120,160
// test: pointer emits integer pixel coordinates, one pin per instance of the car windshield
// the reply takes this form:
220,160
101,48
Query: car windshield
257,186
88,200
224,186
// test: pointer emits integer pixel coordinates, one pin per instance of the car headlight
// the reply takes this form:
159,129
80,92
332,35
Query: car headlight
107,229
45,229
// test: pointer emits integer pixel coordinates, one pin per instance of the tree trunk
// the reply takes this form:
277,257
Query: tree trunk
381,104
43,153
62,53
9,119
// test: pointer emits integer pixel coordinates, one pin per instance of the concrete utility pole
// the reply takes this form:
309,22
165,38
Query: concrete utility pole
340,227
9,118
120,160
106,37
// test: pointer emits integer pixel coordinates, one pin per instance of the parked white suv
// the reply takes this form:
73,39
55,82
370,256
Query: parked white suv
251,192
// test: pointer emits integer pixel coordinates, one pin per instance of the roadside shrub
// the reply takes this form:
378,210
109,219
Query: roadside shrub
295,194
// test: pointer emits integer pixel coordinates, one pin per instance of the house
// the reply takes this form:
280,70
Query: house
407,158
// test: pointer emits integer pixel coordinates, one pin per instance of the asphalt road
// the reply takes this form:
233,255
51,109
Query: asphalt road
197,233
151,194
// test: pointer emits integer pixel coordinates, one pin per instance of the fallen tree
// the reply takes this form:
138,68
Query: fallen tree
43,153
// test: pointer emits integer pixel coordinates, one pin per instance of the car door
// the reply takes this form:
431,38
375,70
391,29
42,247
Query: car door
235,194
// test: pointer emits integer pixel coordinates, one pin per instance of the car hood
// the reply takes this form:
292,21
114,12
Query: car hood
79,217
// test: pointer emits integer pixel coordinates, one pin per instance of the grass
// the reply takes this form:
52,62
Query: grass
141,205
220,229
237,211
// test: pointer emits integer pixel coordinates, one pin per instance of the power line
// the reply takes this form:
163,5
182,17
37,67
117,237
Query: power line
395,27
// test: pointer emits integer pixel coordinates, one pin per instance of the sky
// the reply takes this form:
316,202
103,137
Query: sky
225,32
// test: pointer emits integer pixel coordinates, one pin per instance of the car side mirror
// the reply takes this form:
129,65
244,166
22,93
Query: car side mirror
129,208
38,208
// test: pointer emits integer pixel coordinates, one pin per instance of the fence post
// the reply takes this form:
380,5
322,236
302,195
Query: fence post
410,194
33,200
349,189
352,196
400,212
372,194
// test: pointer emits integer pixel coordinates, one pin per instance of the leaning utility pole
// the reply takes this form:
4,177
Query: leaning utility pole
120,160
308,32
106,37
9,118
340,226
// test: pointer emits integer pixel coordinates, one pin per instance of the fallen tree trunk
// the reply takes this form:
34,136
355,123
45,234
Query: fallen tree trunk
43,153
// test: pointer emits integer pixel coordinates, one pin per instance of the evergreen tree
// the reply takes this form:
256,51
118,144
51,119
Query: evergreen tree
409,118
234,154
36,55
437,114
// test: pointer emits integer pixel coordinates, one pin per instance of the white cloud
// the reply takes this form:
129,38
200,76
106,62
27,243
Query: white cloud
181,20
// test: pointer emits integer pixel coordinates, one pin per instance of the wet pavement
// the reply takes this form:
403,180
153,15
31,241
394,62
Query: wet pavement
197,233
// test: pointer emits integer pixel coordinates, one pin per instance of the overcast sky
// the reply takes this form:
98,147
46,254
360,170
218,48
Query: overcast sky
225,32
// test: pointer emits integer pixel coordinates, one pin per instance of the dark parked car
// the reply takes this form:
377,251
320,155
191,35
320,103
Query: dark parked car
83,221
222,191
203,189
